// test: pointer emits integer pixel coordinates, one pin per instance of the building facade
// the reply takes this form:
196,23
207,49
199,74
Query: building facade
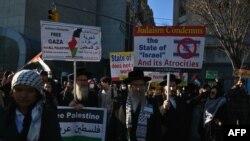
20,33
215,60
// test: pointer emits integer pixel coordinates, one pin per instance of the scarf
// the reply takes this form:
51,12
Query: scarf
211,107
35,125
144,115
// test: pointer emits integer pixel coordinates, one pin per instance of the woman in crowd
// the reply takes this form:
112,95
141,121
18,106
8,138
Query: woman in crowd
27,117
51,98
214,115
66,96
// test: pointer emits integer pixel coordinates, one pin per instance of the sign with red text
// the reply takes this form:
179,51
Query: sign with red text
121,63
70,42
169,48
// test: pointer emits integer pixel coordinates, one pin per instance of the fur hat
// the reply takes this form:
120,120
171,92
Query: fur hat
172,78
29,78
136,75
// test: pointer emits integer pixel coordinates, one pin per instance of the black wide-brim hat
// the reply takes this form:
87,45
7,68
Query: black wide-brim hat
136,75
80,71
172,78
83,71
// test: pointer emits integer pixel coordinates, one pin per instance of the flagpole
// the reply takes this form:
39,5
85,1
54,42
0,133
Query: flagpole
74,65
22,67
31,61
168,83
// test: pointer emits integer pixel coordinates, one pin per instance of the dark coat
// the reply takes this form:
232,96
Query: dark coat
116,128
238,103
64,98
213,131
153,126
50,129
118,123
51,99
174,121
91,101
7,93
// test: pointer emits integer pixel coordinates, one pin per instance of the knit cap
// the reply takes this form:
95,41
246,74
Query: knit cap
29,78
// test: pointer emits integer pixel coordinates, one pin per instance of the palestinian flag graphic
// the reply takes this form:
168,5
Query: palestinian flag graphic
72,44
39,62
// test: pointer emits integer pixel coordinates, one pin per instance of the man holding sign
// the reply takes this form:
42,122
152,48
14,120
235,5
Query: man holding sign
173,112
142,121
83,97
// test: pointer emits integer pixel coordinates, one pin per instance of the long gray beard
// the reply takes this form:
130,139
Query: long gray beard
137,98
82,92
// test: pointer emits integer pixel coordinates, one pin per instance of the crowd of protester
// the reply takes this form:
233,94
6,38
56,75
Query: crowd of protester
137,110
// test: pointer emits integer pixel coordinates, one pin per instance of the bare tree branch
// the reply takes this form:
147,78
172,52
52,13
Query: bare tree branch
229,21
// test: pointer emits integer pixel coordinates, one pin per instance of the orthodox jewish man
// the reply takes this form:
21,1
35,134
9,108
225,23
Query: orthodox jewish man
83,97
174,126
142,122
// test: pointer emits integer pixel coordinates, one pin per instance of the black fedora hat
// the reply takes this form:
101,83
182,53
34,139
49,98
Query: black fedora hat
80,71
136,75
83,71
172,78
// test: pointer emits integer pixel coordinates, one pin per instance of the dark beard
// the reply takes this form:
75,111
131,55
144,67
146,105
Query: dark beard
82,92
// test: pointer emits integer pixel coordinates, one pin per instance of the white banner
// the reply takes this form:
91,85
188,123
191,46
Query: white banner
121,63
169,48
70,42
85,124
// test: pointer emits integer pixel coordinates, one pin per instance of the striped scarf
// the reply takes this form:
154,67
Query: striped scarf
144,115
